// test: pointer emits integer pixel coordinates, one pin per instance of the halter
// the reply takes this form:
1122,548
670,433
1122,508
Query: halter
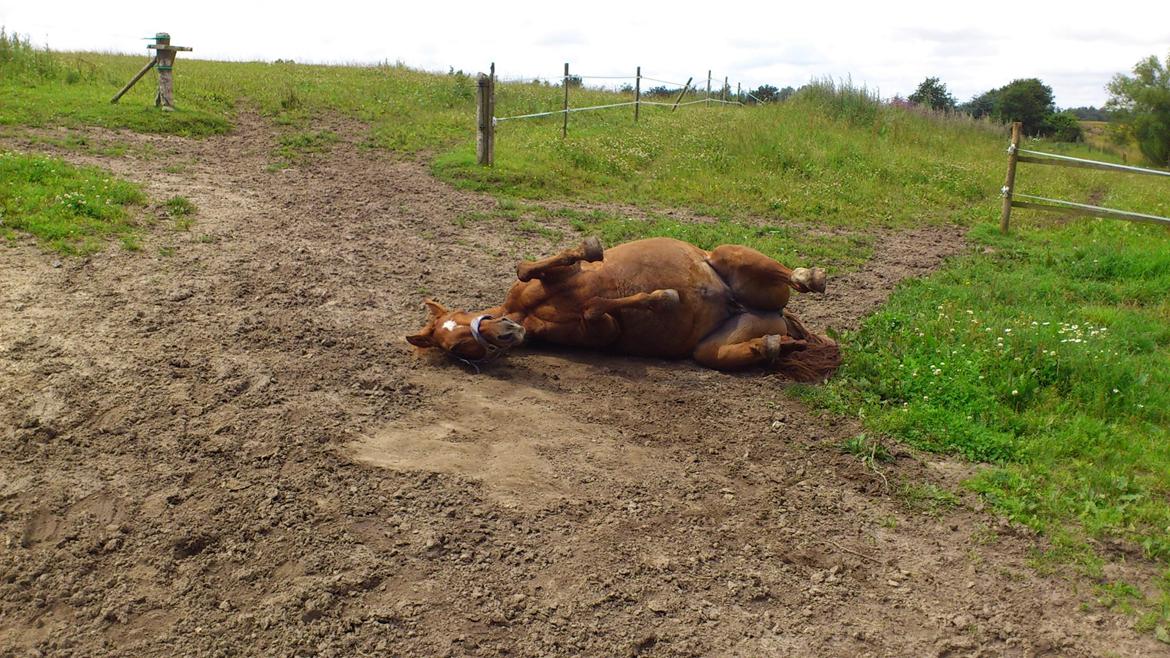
490,351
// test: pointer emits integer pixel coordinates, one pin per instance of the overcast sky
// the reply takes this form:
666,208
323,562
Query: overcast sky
971,45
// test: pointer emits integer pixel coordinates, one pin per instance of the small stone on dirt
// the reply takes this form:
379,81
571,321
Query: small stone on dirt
658,605
962,620
232,484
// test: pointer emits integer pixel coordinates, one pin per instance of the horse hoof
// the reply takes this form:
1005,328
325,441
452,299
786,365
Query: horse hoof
772,345
813,279
665,298
524,272
592,249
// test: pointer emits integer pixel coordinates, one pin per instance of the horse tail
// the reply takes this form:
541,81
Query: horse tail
814,364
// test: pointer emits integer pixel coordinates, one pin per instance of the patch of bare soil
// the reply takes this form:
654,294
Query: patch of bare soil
897,256
224,447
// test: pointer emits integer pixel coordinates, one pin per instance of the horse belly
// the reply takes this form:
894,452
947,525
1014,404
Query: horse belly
704,299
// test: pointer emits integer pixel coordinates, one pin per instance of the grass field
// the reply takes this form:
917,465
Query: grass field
72,210
832,156
1047,359
1043,354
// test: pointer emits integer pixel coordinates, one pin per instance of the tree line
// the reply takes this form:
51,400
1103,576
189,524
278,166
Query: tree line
1027,100
1139,107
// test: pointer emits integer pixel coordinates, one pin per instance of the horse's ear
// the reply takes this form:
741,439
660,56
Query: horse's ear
420,340
436,309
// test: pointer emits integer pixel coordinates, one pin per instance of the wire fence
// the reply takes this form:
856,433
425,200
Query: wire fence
487,119
683,88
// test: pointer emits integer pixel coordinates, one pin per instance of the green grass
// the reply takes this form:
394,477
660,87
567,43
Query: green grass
1045,357
869,450
297,147
180,209
179,206
928,498
786,162
834,155
70,209
790,244
76,143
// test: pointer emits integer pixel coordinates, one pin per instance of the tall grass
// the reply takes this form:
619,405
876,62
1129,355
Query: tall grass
19,60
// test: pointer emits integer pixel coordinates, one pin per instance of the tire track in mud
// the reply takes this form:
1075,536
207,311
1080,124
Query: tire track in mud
182,466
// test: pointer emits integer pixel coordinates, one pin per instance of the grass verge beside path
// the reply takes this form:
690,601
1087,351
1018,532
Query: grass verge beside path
71,210
1046,357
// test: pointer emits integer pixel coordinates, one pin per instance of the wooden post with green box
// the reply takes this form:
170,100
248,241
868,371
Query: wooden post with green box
164,60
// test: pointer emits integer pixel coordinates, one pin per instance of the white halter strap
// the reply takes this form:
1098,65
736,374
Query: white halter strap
492,351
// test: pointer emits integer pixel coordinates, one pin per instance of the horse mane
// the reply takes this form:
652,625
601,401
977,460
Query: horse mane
814,364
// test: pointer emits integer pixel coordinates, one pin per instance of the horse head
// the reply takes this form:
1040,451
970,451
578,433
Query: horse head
468,336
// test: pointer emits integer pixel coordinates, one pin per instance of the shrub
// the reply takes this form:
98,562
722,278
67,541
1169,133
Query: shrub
1064,127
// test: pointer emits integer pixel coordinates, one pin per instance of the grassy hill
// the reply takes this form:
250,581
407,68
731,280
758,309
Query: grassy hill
835,155
1042,354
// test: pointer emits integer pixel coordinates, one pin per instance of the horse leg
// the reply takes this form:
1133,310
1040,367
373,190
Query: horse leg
589,250
746,340
659,299
595,333
761,282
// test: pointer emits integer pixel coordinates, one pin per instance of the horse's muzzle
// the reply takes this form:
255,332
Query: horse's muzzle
507,333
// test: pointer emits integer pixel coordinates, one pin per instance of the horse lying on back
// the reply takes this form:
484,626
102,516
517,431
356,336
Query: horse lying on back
658,297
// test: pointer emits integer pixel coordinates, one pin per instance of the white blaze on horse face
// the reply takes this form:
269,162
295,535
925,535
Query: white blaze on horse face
449,325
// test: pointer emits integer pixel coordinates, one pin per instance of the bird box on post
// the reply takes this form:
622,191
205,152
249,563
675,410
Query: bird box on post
164,59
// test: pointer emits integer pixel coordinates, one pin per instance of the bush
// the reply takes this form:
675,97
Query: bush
1064,127
933,93
842,100
1028,101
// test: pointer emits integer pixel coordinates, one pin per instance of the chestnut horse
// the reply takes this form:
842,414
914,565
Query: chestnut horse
657,297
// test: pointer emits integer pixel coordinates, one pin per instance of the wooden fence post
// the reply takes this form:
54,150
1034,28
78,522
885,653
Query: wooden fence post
492,115
708,85
723,92
1010,182
164,61
682,93
565,125
637,93
485,127
738,92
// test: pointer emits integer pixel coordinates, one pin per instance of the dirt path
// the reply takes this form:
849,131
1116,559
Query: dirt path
230,450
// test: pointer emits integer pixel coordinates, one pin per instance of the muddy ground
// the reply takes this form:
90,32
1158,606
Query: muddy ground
221,445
